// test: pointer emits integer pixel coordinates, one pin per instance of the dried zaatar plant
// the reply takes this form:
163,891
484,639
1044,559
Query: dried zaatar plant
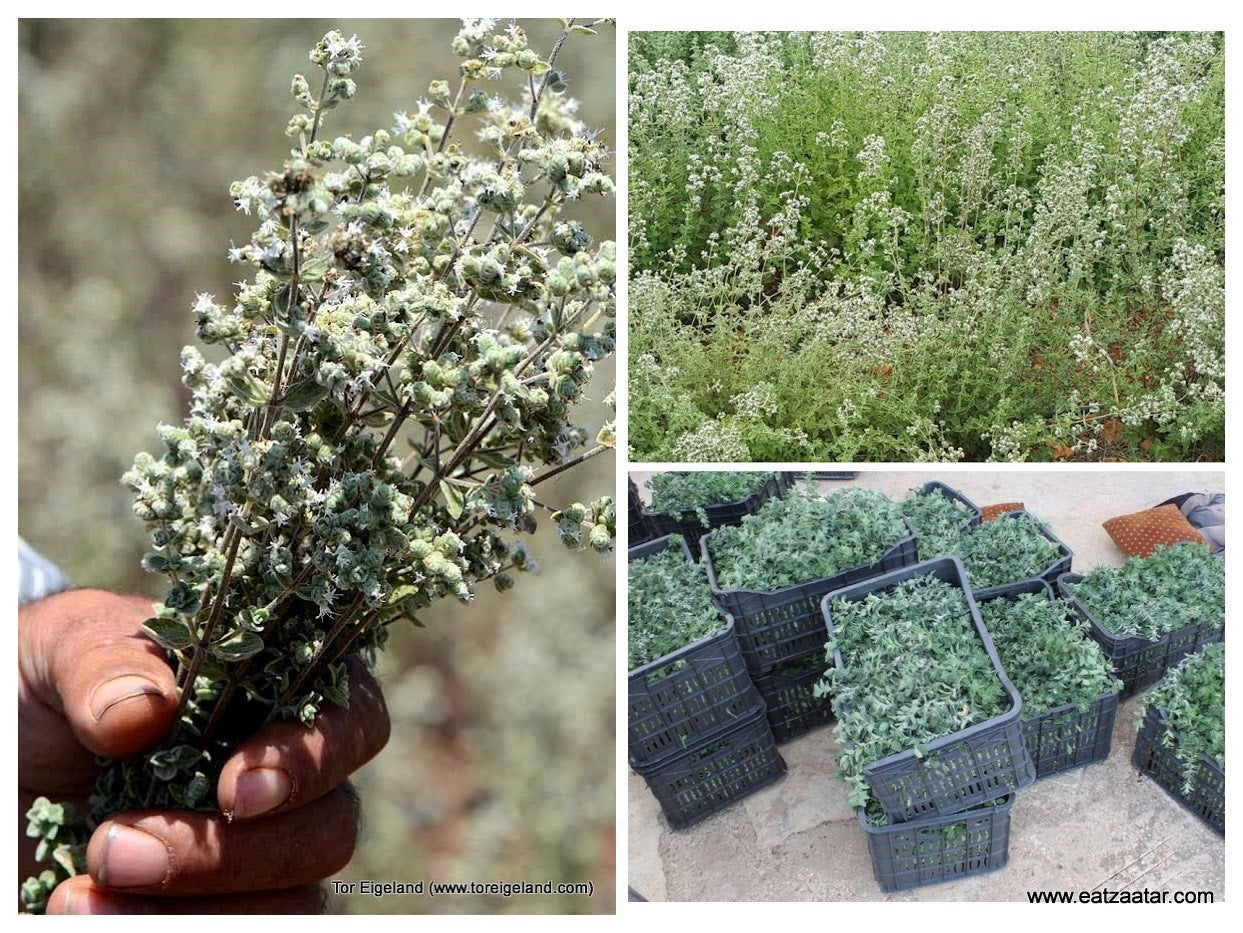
403,288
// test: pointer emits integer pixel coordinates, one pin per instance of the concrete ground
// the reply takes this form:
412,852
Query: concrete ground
1101,827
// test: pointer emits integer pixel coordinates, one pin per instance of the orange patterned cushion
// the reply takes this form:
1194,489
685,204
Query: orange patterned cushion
1141,533
989,512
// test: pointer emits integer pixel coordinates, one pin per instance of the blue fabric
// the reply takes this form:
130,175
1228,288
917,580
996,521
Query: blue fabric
37,576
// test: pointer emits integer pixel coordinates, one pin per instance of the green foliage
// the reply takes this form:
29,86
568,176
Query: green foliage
938,520
292,532
914,670
926,246
669,604
675,493
1007,549
800,538
1192,698
1049,657
1149,597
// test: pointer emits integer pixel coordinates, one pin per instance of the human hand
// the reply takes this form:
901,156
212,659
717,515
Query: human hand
91,683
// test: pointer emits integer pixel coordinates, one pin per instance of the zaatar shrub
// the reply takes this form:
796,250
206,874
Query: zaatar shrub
676,492
1149,597
801,537
1193,698
914,670
402,290
938,519
927,246
1004,550
669,605
1049,657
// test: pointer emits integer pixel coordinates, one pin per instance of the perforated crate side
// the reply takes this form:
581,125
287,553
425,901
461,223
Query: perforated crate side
939,848
782,625
687,695
1065,737
1206,797
789,697
1139,662
965,768
691,527
691,693
715,774
1059,566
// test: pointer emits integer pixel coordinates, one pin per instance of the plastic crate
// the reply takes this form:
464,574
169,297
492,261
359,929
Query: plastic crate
690,527
789,696
966,768
1064,737
1059,566
689,694
786,624
715,773
638,529
824,474
949,492
1207,795
941,848
1139,662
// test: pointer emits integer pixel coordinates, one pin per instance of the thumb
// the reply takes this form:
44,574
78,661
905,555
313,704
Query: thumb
95,665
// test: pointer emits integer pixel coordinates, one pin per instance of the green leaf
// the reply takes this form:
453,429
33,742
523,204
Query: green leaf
169,762
337,690
238,647
455,500
247,388
64,856
304,395
197,789
583,31
170,633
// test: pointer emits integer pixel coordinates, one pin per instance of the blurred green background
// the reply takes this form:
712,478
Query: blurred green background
501,765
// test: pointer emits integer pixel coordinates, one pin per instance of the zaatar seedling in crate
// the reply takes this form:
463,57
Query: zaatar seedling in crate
402,290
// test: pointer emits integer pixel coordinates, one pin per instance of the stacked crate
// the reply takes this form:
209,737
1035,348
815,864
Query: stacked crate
947,809
697,728
782,637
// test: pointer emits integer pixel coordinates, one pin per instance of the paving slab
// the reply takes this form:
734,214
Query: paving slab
1102,827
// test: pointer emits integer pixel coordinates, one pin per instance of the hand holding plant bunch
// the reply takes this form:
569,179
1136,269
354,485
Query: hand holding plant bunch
394,385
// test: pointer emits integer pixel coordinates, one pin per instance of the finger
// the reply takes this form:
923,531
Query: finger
187,853
95,665
80,895
285,764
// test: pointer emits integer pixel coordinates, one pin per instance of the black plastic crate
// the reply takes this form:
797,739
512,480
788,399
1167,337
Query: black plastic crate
712,775
689,694
966,768
1207,795
638,529
940,848
1060,565
1064,737
824,474
789,696
786,624
1138,662
689,525
949,492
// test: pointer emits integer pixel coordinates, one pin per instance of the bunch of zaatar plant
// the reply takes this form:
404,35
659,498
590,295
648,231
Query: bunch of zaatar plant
402,290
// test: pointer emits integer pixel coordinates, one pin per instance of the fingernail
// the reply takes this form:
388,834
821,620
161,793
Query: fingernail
118,690
85,902
260,790
133,858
